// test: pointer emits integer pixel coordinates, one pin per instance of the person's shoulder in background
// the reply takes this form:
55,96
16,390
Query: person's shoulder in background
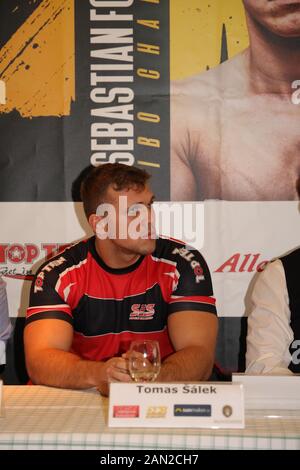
5,324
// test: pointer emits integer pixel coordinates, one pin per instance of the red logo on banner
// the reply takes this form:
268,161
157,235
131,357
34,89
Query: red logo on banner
239,263
16,259
28,252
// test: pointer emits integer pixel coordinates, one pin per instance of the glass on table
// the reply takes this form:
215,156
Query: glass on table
144,360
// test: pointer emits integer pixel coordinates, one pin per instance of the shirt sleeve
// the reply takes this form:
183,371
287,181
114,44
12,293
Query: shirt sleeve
269,332
193,287
47,298
5,324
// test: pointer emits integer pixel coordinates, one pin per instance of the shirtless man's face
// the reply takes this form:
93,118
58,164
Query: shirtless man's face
281,17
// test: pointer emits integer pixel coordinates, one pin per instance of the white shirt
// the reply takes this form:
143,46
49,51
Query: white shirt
269,331
5,325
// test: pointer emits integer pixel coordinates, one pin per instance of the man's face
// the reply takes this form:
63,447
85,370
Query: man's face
133,218
281,17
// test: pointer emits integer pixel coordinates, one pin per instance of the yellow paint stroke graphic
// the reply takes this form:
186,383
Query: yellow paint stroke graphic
196,32
37,64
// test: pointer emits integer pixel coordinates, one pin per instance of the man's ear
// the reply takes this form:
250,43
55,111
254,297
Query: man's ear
93,220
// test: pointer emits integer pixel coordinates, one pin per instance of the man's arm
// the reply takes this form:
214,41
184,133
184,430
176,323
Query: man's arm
193,335
192,319
269,332
49,362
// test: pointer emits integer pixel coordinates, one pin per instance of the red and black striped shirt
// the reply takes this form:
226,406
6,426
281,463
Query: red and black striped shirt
108,308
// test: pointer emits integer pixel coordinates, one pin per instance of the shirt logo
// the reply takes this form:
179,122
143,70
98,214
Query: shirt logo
142,312
39,282
194,264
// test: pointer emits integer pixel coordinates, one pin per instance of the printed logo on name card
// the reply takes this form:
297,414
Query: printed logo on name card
126,411
227,411
156,412
192,410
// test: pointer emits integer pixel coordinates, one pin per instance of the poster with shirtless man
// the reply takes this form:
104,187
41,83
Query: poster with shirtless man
235,127
235,141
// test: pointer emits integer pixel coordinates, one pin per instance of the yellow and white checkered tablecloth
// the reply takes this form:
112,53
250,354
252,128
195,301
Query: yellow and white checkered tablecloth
36,417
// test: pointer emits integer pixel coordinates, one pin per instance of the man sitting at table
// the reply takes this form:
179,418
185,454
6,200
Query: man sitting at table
89,302
273,339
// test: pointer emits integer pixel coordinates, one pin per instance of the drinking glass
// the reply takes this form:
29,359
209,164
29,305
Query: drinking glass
144,360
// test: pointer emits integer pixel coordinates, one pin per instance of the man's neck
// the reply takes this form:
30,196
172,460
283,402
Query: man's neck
274,62
114,256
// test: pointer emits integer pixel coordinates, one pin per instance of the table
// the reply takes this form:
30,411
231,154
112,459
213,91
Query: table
36,417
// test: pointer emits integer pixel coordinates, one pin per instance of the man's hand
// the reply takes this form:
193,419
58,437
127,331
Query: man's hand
115,370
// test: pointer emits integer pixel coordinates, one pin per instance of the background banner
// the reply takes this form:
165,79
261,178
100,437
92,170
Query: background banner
203,95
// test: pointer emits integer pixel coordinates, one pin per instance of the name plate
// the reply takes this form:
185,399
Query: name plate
270,392
176,405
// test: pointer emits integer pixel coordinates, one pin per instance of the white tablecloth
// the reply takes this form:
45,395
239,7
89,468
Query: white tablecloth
35,417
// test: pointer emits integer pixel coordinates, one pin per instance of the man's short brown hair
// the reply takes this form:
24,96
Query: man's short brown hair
118,175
